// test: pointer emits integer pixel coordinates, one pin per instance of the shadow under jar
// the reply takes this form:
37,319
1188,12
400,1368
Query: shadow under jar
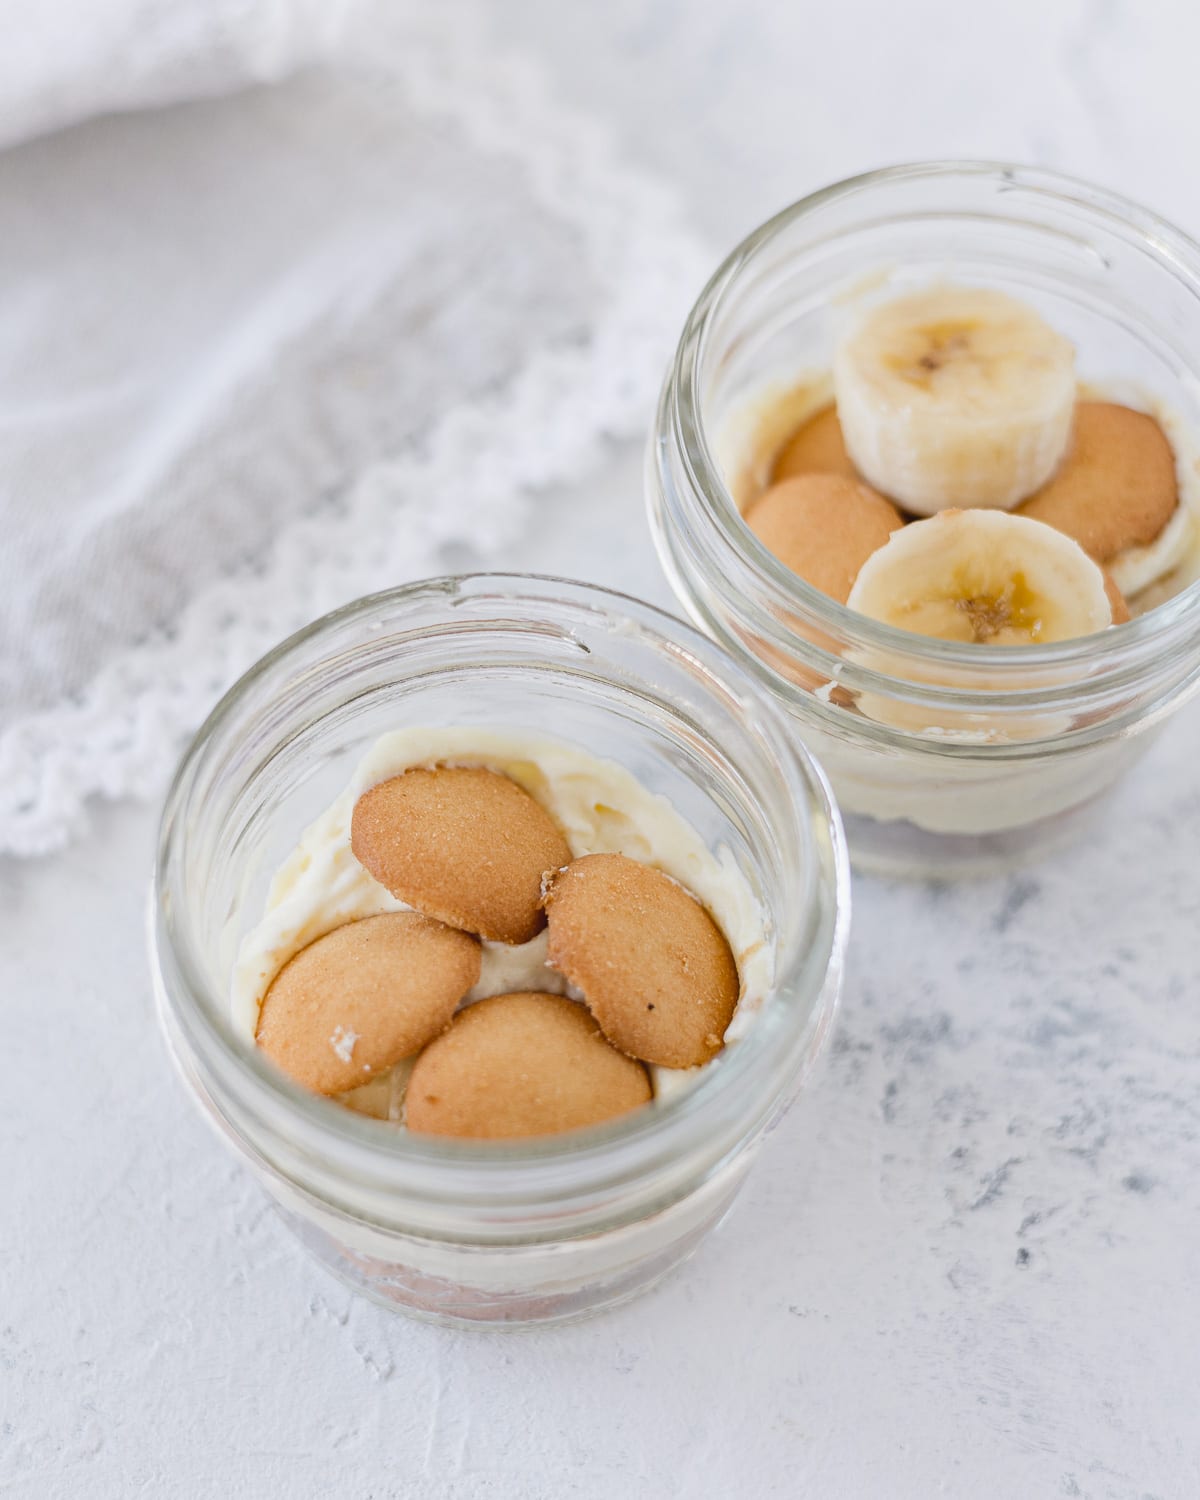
946,758
506,1232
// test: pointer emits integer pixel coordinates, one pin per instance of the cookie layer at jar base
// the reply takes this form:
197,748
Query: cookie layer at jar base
324,894
519,1284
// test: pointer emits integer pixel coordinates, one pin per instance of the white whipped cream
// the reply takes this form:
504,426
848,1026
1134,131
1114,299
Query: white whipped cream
600,807
967,796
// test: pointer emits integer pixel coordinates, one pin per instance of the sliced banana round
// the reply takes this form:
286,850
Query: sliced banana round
955,396
984,576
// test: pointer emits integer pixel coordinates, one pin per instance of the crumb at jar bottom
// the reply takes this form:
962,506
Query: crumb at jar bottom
508,1285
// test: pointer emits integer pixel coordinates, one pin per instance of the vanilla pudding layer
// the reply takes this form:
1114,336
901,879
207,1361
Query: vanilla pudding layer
600,808
966,796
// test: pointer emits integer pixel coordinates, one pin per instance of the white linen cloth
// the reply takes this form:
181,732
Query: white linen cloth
64,60
263,353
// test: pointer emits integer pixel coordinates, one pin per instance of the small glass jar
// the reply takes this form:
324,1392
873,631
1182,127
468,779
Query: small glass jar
497,1232
946,758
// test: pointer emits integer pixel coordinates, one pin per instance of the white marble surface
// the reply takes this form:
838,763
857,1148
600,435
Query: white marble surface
749,106
965,1265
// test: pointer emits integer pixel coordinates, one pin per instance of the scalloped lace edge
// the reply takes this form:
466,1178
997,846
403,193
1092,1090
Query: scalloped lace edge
549,424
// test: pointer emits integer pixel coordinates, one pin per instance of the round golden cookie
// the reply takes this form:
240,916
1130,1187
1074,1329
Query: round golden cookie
823,527
655,969
519,1065
815,448
1117,486
362,997
463,844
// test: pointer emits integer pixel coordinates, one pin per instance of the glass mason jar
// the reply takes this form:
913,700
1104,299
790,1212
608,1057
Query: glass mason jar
497,1232
946,758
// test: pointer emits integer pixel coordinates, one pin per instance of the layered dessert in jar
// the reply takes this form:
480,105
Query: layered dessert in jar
494,921
927,465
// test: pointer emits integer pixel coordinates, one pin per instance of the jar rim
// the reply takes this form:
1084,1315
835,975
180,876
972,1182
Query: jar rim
554,1169
1128,646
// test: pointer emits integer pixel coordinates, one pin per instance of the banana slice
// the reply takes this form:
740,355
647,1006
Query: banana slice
957,396
987,577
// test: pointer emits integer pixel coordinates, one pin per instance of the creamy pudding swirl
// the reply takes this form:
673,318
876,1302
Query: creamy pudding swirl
962,486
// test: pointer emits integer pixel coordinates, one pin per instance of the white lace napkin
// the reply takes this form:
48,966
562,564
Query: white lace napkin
261,354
